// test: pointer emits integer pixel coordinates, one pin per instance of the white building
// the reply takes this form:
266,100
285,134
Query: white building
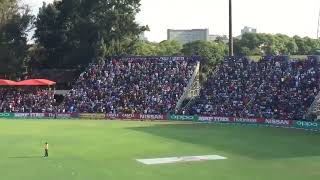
186,36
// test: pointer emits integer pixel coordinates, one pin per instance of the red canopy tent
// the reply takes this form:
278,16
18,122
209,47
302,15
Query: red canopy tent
4,82
35,82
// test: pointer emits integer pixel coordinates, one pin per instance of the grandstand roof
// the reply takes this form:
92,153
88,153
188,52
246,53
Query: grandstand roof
35,82
29,82
4,82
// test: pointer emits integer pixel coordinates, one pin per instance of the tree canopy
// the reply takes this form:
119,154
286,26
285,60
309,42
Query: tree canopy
164,48
268,44
74,32
15,21
211,52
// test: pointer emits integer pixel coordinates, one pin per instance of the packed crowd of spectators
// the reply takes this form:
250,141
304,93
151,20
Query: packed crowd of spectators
288,89
228,91
274,87
26,100
130,86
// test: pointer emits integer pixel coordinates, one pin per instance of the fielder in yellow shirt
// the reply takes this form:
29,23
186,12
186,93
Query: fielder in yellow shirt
46,149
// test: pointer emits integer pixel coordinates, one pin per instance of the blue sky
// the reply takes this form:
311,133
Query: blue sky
291,17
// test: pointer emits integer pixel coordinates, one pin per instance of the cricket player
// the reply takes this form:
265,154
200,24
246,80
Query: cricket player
46,149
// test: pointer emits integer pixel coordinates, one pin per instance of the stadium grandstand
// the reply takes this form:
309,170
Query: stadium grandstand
144,85
27,96
275,88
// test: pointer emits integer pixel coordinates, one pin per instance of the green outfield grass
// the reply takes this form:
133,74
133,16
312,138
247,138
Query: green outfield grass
106,150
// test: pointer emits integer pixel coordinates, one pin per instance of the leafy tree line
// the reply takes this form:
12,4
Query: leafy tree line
75,32
268,44
72,33
15,22
211,52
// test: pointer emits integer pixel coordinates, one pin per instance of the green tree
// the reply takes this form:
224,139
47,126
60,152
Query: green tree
52,35
76,32
169,48
145,48
250,44
15,22
306,46
211,52
268,44
164,48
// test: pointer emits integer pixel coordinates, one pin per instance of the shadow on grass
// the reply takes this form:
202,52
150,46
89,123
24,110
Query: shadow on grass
257,143
25,157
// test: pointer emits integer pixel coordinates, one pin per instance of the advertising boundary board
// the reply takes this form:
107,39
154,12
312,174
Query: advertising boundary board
136,117
305,125
92,116
61,115
44,115
174,117
29,115
5,115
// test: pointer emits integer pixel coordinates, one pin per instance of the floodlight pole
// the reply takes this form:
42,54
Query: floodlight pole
230,29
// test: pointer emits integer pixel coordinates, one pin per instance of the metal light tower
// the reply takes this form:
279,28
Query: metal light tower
230,29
